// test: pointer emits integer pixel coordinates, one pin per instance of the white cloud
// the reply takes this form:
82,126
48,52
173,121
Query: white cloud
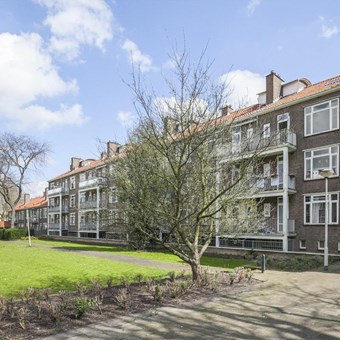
35,189
243,86
328,31
74,23
252,5
27,75
126,118
137,57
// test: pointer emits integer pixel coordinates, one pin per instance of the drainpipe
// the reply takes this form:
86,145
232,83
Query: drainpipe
285,201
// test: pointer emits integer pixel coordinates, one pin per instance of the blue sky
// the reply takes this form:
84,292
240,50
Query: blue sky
64,63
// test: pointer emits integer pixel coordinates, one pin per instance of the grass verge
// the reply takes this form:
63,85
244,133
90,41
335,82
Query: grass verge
22,267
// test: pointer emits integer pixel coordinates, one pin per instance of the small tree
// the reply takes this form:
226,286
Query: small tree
172,183
18,156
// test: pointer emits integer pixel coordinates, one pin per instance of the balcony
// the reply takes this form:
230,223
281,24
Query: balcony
54,226
266,146
64,208
87,226
88,204
54,208
58,191
269,186
270,226
92,183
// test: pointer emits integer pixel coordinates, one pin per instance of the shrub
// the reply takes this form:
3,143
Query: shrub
81,306
12,234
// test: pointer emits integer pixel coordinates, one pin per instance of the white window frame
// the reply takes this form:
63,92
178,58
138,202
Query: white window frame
310,111
301,246
315,199
266,209
321,247
72,219
266,130
338,246
309,156
236,139
73,182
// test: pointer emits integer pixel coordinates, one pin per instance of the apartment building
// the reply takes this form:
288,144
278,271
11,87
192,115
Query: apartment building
32,213
81,203
302,121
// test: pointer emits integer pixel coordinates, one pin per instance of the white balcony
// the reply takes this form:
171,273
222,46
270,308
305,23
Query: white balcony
54,226
88,204
57,191
54,208
91,183
87,226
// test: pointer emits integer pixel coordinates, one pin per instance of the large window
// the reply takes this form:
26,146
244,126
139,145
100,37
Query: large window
319,159
322,117
315,209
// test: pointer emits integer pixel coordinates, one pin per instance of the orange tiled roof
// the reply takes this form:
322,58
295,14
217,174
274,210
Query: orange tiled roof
36,202
311,90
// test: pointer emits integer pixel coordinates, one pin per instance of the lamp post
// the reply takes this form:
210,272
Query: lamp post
326,173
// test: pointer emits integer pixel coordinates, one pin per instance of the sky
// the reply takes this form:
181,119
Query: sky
65,65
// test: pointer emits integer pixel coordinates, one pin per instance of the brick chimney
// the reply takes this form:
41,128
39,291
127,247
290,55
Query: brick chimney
75,163
112,148
26,198
273,87
227,110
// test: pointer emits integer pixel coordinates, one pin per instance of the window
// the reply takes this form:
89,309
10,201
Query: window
302,244
266,130
73,182
72,219
322,117
338,246
266,170
73,201
321,245
315,209
82,177
323,158
236,141
113,196
266,209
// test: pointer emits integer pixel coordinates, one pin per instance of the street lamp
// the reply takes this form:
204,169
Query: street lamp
326,173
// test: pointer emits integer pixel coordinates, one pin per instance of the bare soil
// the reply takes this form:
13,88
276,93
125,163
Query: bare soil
38,314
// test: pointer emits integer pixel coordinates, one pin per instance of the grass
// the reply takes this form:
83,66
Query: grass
156,256
22,267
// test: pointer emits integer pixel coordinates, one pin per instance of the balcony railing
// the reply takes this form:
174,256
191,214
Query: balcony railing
54,208
87,226
91,183
271,226
54,226
258,143
274,183
64,208
56,191
88,204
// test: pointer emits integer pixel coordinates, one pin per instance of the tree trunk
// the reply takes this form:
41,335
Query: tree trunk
195,270
13,218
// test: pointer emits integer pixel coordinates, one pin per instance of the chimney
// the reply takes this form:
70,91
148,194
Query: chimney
75,162
273,87
112,148
227,110
45,193
26,198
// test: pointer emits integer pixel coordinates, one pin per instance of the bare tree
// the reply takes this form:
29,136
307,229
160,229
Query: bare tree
19,155
181,179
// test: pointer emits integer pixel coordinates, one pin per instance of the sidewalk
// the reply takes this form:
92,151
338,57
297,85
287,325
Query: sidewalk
288,306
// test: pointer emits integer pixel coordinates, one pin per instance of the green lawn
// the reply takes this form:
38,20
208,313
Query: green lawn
22,267
157,256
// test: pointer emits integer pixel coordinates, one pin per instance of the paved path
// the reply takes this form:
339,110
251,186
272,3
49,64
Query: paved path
288,306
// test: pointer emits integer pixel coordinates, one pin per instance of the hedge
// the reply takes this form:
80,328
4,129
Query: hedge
12,234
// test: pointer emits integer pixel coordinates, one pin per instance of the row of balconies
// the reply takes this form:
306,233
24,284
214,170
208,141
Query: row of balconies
269,145
82,226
